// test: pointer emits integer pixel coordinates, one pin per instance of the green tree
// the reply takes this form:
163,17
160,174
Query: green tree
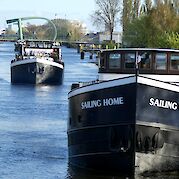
132,10
137,33
126,14
66,30
62,28
168,39
157,28
75,31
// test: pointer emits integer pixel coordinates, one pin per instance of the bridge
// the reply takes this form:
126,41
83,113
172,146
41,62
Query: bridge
19,23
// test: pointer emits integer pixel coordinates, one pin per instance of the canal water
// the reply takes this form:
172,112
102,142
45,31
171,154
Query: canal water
33,122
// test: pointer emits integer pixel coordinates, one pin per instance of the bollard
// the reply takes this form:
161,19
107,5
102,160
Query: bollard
91,56
97,55
79,48
82,55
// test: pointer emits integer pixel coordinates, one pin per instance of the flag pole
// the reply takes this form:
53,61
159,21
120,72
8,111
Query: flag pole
136,65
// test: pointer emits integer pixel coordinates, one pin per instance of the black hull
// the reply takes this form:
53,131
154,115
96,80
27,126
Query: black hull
36,73
114,129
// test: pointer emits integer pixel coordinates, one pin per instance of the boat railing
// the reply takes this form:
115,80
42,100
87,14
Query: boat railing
43,56
89,83
83,84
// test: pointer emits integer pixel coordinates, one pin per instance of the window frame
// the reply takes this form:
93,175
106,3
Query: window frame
166,62
170,62
124,60
119,61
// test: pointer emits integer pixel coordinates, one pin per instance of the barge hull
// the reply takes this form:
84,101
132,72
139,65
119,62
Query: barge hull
114,127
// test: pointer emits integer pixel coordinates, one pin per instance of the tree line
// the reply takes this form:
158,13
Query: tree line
66,31
156,24
145,23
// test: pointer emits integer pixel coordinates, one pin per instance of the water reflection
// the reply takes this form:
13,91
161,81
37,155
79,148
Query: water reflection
33,124
77,174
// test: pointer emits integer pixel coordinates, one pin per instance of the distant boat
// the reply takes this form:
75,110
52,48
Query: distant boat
36,61
127,120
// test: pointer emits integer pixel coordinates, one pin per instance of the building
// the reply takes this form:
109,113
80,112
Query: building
80,25
100,37
105,36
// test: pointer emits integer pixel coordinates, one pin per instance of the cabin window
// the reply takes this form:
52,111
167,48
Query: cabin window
145,60
114,60
129,60
161,61
174,61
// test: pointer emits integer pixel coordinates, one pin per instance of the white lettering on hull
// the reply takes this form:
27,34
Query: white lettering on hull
91,104
102,102
163,103
113,101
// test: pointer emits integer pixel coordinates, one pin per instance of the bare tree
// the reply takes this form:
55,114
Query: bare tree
107,14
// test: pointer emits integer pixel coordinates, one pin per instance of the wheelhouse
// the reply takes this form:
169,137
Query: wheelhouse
148,61
38,49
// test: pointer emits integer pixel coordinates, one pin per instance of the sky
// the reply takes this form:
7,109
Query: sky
65,9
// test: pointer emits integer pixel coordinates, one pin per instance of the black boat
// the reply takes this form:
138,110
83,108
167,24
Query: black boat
127,120
37,62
